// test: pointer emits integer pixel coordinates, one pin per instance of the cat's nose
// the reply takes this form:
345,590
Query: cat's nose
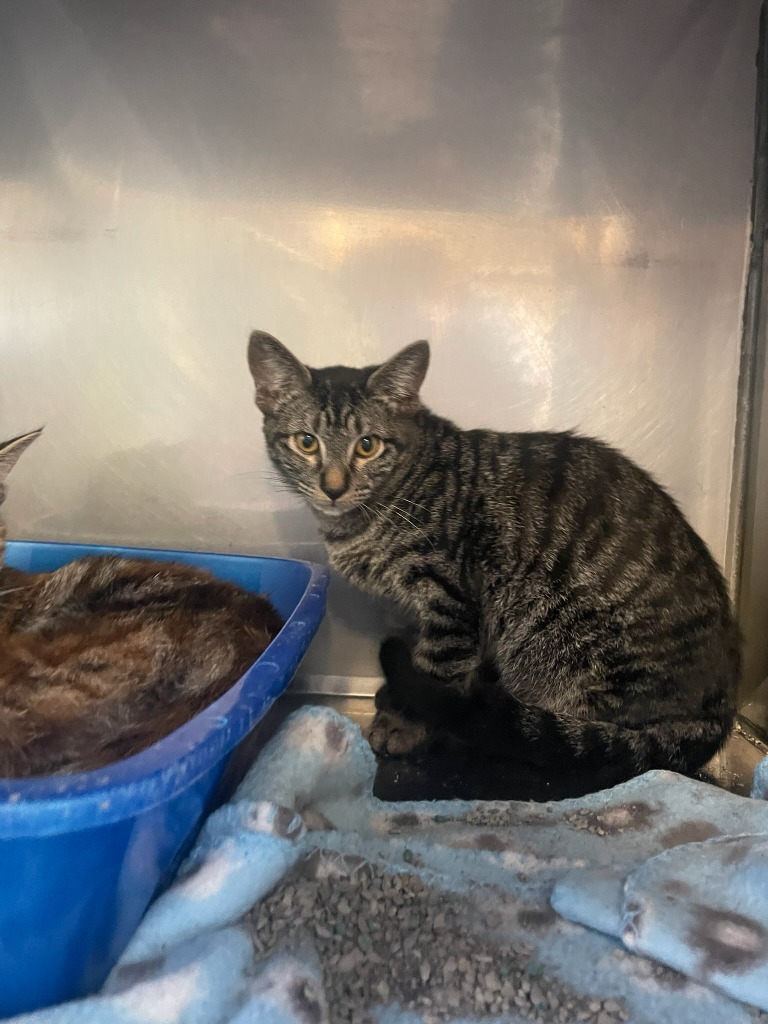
334,482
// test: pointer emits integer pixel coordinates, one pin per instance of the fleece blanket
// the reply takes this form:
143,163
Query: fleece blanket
599,891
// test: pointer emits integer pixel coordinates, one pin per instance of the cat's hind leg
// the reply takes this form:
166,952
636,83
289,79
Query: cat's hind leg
504,726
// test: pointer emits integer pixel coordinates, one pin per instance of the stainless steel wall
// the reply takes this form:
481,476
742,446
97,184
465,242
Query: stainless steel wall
555,193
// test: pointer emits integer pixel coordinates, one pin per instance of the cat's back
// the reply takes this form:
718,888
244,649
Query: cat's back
127,587
106,655
555,461
572,507
545,473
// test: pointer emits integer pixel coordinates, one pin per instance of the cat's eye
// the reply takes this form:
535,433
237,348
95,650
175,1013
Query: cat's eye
367,447
306,443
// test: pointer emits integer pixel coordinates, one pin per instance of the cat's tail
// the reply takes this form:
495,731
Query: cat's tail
546,738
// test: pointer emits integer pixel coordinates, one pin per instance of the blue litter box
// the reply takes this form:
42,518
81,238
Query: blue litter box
81,856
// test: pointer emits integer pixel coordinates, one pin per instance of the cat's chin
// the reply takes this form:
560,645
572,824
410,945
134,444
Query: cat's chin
332,513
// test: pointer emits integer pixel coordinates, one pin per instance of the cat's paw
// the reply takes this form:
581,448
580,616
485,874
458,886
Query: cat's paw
391,735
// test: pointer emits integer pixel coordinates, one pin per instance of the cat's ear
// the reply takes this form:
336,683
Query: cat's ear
11,450
277,373
399,379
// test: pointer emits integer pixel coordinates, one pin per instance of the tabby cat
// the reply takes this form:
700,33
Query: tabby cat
107,655
563,611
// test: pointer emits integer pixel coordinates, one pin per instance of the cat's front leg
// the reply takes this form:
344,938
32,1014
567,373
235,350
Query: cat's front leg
438,658
410,690
407,689
414,711
448,654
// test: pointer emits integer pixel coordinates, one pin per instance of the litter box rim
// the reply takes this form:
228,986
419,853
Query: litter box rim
54,804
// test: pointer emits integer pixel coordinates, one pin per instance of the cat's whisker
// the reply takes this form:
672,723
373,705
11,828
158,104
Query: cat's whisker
367,512
373,512
410,521
380,513
414,504
407,517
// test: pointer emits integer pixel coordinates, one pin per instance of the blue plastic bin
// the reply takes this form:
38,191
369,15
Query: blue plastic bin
81,856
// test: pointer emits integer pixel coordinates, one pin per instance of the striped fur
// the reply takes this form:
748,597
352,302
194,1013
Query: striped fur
563,609
106,656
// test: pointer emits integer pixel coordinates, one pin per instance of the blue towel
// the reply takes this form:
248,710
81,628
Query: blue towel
660,869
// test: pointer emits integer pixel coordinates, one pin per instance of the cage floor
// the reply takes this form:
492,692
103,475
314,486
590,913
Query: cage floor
443,777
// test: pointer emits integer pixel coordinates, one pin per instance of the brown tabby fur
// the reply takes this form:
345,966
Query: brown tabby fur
106,656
